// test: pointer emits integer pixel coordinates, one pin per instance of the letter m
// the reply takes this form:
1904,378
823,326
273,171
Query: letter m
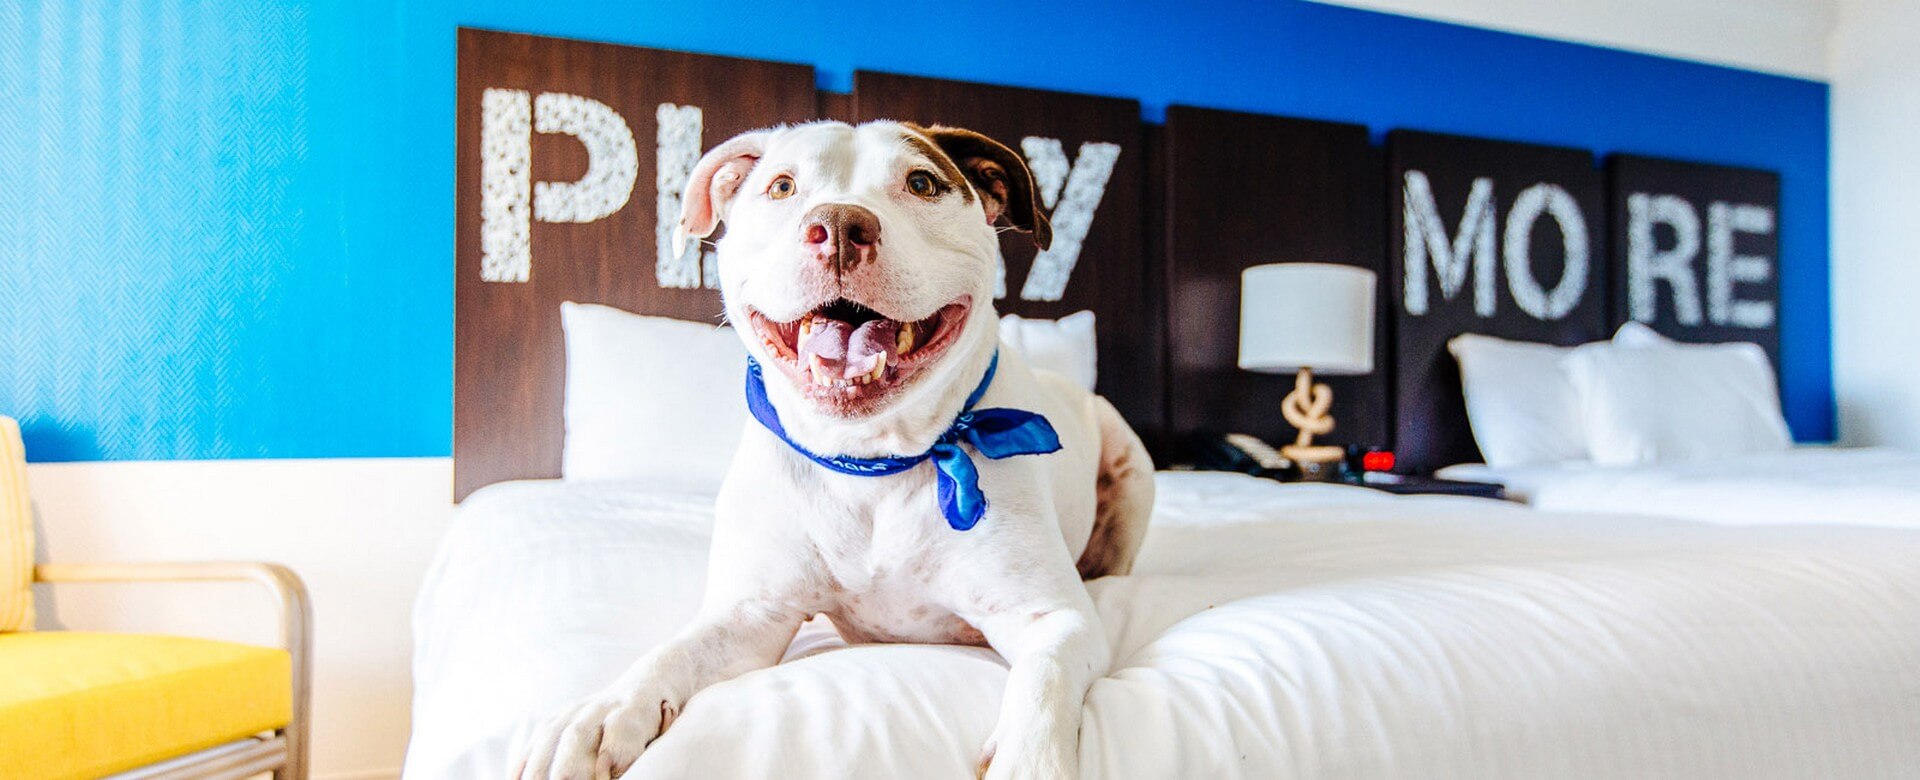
1470,251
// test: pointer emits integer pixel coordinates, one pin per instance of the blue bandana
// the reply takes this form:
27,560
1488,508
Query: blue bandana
995,433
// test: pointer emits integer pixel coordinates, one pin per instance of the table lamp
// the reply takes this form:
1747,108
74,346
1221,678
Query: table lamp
1303,318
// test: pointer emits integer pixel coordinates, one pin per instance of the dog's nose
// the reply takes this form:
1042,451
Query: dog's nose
841,235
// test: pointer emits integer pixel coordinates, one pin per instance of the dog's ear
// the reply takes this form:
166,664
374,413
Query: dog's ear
713,183
1000,176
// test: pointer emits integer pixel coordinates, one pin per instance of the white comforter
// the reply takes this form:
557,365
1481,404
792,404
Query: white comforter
1803,485
1269,632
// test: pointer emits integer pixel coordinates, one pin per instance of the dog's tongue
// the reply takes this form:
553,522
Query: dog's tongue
845,351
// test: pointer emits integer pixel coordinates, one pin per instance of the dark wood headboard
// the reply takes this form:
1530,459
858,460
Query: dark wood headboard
1728,288
569,150
509,354
518,258
1245,190
1688,248
1551,300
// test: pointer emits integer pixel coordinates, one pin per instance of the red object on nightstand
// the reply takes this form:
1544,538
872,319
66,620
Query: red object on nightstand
1379,460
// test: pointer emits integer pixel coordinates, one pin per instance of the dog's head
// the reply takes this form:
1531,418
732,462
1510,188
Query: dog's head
859,263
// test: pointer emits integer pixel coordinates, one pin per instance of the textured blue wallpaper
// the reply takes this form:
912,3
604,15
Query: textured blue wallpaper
226,228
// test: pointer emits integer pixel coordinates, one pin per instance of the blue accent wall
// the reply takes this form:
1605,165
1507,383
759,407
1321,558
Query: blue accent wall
226,229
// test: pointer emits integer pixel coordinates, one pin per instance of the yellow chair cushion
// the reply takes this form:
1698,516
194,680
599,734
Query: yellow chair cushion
16,532
82,705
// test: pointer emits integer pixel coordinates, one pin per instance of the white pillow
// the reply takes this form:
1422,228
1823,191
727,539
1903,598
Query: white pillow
1637,334
650,398
1664,401
1520,403
1065,346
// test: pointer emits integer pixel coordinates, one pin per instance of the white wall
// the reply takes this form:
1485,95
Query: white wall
1876,221
1776,36
360,532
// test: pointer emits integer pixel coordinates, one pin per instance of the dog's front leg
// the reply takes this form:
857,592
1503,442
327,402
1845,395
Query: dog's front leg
1054,654
603,736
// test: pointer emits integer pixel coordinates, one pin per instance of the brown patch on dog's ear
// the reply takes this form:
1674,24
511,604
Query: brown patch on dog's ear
1000,176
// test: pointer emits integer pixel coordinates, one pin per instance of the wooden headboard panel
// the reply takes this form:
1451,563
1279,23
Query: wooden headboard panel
517,257
1095,148
568,151
1249,189
1550,289
535,112
1695,250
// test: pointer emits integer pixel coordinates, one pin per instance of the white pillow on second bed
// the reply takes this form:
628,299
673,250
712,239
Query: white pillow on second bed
1638,398
1520,403
1644,399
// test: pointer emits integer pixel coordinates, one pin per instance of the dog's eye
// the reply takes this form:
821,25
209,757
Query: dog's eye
781,188
923,184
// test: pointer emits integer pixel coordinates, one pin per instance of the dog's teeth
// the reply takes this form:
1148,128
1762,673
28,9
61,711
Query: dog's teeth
905,342
819,369
806,326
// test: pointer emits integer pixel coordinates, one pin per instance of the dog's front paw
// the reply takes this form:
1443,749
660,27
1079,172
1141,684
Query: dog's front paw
599,739
1030,754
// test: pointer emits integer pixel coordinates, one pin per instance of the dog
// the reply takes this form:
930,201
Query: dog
908,478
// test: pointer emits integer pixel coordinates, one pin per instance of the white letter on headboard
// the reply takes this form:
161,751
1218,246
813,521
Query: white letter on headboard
1078,196
612,162
1724,268
506,151
1527,293
1646,265
678,150
510,200
1426,238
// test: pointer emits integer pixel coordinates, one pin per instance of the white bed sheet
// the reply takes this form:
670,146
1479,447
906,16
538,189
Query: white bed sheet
1269,632
1855,486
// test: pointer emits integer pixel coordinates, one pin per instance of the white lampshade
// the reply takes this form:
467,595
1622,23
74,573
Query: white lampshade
1306,315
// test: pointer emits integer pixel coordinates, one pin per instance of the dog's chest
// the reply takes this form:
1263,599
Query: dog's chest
887,570
884,615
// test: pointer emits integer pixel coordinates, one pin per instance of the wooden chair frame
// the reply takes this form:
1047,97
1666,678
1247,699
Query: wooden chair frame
284,752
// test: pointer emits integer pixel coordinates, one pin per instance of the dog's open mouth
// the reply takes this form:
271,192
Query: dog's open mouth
845,355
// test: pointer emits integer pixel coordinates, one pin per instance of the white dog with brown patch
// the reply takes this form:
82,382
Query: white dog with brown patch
908,478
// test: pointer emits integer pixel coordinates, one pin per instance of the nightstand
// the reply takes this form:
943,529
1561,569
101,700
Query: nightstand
1408,485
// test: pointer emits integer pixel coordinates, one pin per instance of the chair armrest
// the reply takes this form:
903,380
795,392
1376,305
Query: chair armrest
296,612
296,620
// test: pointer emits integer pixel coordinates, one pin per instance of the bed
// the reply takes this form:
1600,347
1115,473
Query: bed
1269,631
1857,486
1678,412
1643,424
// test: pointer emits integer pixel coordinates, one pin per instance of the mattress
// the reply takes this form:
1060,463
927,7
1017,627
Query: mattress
1821,485
1269,631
